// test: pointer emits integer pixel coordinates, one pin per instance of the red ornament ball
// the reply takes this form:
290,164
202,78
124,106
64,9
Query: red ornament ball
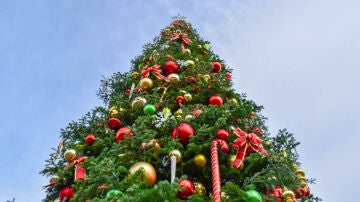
222,134
186,188
122,132
197,112
90,139
228,76
183,131
216,66
192,79
170,67
66,192
180,99
216,100
114,123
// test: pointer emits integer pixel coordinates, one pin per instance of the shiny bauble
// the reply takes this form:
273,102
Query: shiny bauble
113,111
199,188
66,192
216,66
192,79
146,84
186,188
177,154
200,160
166,112
183,131
230,160
153,143
215,100
138,102
90,139
70,155
180,99
288,196
135,75
189,117
114,123
112,193
233,101
188,97
149,109
189,63
222,134
170,67
228,76
178,113
206,77
174,77
147,169
197,112
122,132
206,46
253,196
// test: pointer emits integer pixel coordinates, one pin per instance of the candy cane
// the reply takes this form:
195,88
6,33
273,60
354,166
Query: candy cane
215,167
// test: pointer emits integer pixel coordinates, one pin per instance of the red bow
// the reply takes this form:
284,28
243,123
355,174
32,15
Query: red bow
184,37
155,69
246,144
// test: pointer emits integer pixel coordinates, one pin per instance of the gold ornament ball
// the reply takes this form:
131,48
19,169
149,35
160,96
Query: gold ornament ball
189,63
148,171
138,102
174,77
200,160
121,111
199,188
70,155
135,75
188,97
206,77
288,196
177,154
146,84
179,113
230,160
114,113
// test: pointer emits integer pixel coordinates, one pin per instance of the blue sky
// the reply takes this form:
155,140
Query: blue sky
299,59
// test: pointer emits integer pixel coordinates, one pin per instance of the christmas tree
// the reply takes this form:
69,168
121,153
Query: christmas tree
173,129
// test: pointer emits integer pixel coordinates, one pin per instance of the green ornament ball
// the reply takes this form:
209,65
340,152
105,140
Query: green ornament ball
206,46
253,196
149,109
113,192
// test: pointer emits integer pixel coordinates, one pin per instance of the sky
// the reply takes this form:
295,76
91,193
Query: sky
298,59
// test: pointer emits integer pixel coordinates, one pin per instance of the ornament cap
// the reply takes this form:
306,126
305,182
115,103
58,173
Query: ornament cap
177,154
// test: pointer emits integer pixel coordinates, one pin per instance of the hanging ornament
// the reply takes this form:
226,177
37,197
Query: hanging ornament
189,63
246,143
135,75
166,112
188,51
80,173
216,66
188,117
199,188
188,97
206,77
216,184
180,99
216,100
228,76
183,131
70,155
114,123
274,193
155,55
192,79
233,101
122,132
170,67
230,160
113,111
222,134
173,77
147,169
175,157
186,188
112,193
200,160
288,196
149,109
90,139
66,194
178,113
206,46
253,196
138,102
54,179
197,112
146,84
257,131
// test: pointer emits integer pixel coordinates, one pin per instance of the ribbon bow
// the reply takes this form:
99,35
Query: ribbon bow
184,37
155,70
246,143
